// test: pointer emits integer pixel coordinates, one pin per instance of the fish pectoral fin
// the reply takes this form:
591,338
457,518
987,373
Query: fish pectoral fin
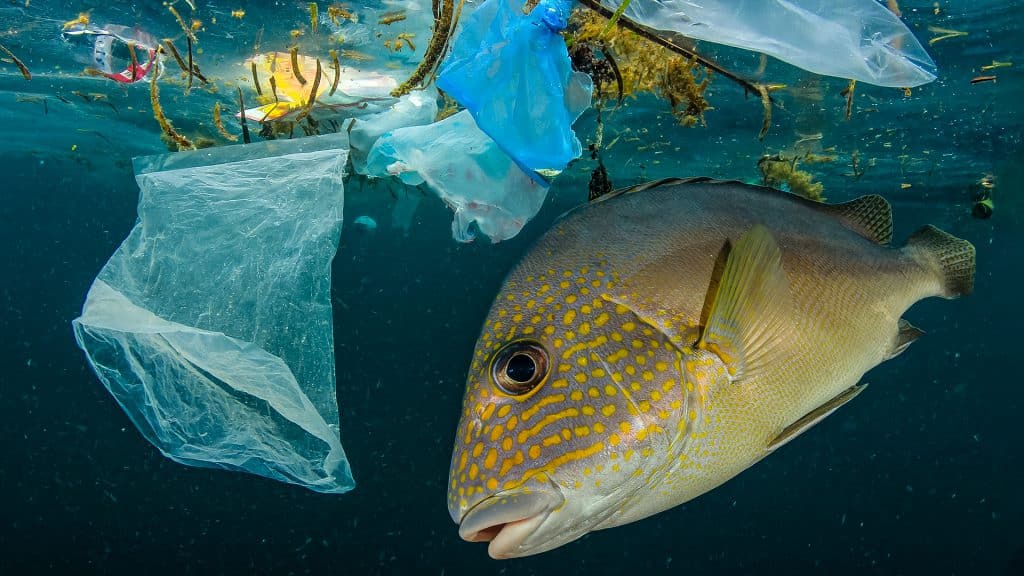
814,416
749,306
905,336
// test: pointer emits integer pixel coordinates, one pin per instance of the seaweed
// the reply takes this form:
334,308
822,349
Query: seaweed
314,18
241,115
643,68
780,171
337,71
256,79
338,12
312,94
220,124
158,113
678,84
181,22
636,67
295,65
848,94
17,62
389,18
444,27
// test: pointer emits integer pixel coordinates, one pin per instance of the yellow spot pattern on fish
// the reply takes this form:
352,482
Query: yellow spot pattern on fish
613,386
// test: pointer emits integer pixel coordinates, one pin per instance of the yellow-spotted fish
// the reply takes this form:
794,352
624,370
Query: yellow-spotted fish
662,339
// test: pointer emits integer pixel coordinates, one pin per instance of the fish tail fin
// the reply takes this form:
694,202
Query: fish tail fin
949,257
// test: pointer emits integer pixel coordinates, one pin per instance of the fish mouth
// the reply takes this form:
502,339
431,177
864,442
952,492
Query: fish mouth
506,520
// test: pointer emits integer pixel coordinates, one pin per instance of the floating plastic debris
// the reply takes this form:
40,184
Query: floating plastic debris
467,169
512,72
185,323
856,39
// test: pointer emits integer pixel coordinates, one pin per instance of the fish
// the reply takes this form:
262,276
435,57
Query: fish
661,339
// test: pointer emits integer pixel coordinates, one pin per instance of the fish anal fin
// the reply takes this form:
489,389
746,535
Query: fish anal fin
870,216
750,306
905,336
808,420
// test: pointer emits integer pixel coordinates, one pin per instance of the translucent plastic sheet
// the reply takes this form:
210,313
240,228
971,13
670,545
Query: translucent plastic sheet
211,325
512,72
467,170
857,39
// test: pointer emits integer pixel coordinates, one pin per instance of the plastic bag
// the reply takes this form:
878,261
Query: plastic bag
512,72
211,325
467,170
857,39
416,108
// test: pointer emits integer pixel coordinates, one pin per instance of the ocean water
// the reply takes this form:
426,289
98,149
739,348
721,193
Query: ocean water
922,474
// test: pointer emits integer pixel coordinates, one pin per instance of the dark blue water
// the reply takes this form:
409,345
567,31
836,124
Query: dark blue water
920,475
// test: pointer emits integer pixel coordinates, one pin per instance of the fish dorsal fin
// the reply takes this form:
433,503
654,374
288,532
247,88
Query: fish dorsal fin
808,420
870,216
905,336
750,308
645,186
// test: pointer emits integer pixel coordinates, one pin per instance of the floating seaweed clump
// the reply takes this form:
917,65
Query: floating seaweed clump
643,66
679,86
779,171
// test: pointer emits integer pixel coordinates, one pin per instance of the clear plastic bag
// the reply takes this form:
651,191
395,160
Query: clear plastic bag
211,325
467,170
416,108
857,39
512,72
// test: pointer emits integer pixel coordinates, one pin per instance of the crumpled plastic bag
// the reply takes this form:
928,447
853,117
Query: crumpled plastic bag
467,169
416,108
857,39
211,325
512,72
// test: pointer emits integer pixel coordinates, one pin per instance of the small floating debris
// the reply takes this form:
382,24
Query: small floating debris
21,65
389,18
944,34
365,222
996,64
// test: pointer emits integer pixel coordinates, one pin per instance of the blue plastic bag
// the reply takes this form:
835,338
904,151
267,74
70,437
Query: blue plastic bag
512,72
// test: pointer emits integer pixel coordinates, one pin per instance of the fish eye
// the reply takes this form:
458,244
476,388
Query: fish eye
519,367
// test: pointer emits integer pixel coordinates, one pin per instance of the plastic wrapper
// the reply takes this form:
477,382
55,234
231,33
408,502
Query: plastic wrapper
211,325
857,39
512,72
467,169
110,56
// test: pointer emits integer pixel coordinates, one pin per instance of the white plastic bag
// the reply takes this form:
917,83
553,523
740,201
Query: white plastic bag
857,39
467,169
211,325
